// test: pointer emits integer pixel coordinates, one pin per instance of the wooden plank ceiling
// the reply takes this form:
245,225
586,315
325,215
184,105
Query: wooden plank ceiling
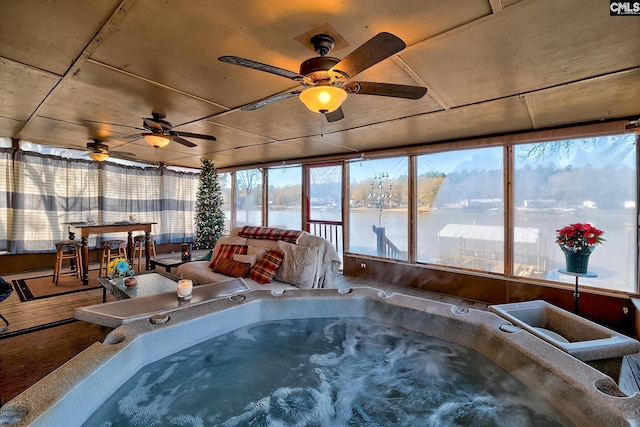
490,66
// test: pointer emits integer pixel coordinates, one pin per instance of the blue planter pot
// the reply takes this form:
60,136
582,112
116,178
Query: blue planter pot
577,262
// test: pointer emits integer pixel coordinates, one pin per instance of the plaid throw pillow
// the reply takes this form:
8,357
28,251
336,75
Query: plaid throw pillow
227,252
265,268
290,236
231,268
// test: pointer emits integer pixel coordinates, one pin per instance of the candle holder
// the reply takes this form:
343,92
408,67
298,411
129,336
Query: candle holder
186,252
185,289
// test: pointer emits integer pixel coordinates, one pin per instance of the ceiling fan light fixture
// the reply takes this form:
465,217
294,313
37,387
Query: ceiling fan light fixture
156,140
323,99
97,156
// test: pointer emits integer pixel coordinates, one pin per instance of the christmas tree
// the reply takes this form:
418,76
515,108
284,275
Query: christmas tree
209,213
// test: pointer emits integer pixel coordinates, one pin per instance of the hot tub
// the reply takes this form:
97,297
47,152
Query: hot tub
73,392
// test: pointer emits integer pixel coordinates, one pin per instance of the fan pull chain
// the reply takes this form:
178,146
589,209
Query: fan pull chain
322,119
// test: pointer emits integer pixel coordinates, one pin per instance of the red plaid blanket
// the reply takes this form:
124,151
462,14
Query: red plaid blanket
290,236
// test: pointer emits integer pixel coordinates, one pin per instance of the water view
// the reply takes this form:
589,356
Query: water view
536,253
460,198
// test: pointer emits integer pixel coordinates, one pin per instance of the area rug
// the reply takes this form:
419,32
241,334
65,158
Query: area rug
44,287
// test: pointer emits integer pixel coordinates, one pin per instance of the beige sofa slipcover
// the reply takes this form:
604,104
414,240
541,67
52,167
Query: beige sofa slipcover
310,263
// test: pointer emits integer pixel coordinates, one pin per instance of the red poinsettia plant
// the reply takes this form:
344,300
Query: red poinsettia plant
579,236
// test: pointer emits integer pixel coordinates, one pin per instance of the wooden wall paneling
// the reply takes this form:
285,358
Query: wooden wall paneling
615,312
474,287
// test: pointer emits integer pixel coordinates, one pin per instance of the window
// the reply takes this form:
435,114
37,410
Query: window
378,207
285,198
179,194
460,209
6,184
248,197
46,191
589,180
225,185
324,207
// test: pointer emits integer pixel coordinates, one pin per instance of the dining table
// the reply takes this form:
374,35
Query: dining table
86,229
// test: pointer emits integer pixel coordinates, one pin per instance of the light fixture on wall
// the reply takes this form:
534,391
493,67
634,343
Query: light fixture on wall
323,98
97,156
156,140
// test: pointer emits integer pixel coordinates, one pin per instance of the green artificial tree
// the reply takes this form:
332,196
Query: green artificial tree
209,213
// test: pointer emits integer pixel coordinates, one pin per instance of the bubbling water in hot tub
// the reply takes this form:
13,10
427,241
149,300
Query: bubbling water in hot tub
325,372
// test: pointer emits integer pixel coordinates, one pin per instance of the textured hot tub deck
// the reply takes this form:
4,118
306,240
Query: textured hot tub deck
596,399
629,380
49,358
353,281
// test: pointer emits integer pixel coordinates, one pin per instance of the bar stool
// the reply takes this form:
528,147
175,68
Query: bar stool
139,248
70,250
110,250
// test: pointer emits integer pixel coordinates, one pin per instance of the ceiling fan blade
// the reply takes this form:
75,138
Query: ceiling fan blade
195,135
335,115
379,47
152,124
386,89
269,100
235,60
182,141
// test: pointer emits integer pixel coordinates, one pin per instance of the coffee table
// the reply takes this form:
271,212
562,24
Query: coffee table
167,263
149,283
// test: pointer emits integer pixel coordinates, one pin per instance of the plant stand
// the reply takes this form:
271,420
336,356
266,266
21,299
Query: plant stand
576,292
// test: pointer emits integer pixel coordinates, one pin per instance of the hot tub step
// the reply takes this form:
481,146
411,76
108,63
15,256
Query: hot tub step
583,339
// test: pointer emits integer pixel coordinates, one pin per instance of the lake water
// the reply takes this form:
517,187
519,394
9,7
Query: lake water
613,261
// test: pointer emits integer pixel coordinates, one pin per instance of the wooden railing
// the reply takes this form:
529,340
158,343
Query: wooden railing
330,230
385,247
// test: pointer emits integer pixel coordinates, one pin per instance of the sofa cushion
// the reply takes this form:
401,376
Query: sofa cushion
266,267
200,273
299,265
231,268
228,251
259,245
250,259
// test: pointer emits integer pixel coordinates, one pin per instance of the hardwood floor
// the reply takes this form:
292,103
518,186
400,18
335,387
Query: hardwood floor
43,334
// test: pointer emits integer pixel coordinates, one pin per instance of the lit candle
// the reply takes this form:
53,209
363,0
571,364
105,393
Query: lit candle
185,287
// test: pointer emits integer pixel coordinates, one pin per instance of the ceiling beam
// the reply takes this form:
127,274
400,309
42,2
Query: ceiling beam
420,81
160,85
496,5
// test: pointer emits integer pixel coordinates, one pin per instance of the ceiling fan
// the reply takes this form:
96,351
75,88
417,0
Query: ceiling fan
159,133
99,151
327,80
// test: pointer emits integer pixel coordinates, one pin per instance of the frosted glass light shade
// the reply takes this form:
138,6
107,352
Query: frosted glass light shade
155,140
323,99
98,157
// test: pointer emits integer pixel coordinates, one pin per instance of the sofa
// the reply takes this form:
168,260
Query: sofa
305,261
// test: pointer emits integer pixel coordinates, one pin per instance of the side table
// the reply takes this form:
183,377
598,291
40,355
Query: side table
576,292
167,263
